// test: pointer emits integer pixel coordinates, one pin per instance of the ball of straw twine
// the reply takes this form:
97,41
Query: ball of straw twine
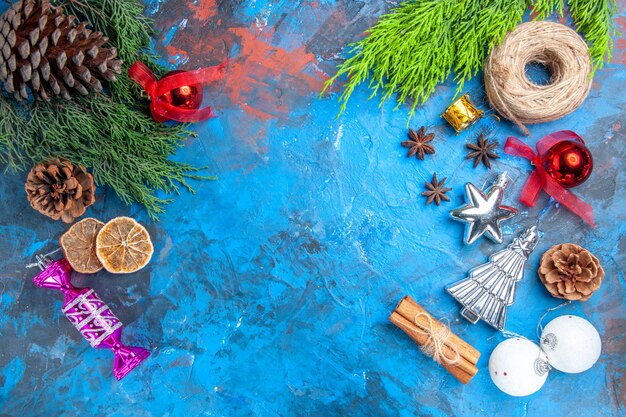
565,55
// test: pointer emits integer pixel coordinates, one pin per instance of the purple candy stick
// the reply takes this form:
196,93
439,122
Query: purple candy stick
90,315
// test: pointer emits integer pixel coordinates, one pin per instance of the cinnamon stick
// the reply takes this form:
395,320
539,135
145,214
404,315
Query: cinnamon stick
409,309
404,316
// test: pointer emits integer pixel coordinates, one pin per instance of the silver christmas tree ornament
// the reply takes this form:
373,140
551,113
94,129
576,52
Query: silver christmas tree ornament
490,288
484,211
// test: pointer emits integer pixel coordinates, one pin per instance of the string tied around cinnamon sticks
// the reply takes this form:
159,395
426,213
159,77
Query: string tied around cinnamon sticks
436,342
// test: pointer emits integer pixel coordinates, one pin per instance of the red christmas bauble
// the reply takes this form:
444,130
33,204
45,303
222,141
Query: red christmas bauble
569,163
186,96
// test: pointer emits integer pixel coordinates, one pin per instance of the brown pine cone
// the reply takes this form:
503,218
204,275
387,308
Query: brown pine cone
47,53
60,190
571,272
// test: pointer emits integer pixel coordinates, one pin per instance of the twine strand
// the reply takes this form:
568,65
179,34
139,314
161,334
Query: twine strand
436,342
545,313
557,47
41,258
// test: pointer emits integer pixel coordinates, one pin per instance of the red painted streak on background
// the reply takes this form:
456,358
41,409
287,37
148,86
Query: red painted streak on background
256,113
266,80
175,54
204,9
620,44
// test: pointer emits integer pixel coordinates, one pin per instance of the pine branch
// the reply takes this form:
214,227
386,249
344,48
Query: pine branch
12,125
114,136
124,148
481,26
545,8
408,51
437,37
594,18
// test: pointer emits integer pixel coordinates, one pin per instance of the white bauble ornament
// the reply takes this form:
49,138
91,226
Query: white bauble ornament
572,344
518,367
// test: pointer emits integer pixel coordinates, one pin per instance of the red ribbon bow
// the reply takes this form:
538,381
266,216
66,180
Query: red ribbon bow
161,109
540,179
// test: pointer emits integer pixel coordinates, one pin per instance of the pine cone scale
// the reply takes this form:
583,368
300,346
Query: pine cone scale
35,58
586,275
58,204
584,289
23,49
71,183
33,36
44,69
43,45
553,276
11,38
76,211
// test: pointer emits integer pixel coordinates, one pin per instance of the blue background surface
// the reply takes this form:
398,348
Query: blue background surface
270,288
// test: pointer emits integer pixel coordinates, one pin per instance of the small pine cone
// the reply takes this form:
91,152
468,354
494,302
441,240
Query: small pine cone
44,52
60,190
571,272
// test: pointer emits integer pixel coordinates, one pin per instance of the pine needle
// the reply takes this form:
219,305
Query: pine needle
545,8
12,125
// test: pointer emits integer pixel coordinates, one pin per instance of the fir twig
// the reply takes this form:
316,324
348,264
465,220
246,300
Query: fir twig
12,125
594,18
124,148
422,42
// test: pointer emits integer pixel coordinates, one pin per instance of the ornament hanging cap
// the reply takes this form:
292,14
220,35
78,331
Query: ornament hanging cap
502,181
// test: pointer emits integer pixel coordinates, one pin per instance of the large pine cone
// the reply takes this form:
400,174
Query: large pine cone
45,50
571,272
60,190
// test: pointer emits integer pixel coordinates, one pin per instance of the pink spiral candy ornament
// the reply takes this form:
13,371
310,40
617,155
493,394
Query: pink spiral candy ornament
90,315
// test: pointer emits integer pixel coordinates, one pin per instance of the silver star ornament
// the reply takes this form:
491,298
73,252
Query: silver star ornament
484,212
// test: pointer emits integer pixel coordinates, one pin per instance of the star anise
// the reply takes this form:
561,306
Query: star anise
435,191
482,150
418,143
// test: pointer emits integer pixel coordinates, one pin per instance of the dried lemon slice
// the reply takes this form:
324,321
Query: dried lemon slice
123,246
79,246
